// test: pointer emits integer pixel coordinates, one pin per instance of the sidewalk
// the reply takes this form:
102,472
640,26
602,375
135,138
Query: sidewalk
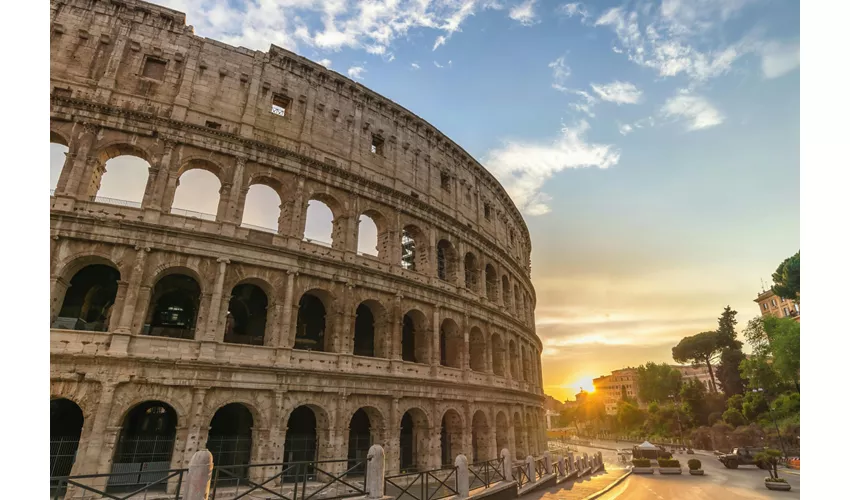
580,489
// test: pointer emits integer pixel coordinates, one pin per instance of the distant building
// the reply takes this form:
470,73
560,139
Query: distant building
553,409
612,388
771,304
695,372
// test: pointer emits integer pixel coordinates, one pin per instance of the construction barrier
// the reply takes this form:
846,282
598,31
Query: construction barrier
793,463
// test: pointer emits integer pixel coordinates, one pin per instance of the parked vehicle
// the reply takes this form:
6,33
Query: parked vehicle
742,456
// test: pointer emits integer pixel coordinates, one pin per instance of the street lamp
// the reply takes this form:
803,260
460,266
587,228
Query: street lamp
772,417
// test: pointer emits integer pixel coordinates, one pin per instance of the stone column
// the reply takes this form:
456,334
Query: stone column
233,209
155,190
529,469
375,473
507,463
107,82
224,194
249,116
117,307
199,476
547,461
172,181
393,340
212,333
287,332
77,161
58,288
125,323
394,438
194,426
464,360
92,456
435,345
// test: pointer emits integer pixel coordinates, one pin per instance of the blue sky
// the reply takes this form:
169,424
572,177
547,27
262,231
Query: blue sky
652,146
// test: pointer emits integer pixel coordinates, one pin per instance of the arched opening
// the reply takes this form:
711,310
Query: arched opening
413,247
310,326
514,361
58,154
301,443
144,446
492,282
477,350
480,438
123,181
451,344
174,307
369,329
246,315
319,225
229,441
470,270
66,426
367,236
502,429
526,365
498,355
88,303
407,444
197,195
359,441
519,438
451,438
413,441
415,344
262,209
446,261
506,292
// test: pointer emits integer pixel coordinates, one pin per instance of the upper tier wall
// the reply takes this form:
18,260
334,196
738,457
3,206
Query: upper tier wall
141,56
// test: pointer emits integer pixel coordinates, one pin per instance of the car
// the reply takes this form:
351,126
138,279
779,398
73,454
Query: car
745,455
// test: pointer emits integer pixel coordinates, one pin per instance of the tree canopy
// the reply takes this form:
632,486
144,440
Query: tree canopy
657,382
786,279
700,348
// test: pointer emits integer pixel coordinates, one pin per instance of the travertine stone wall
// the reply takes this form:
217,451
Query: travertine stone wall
131,78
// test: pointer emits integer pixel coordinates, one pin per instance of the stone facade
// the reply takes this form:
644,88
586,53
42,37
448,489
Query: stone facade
131,78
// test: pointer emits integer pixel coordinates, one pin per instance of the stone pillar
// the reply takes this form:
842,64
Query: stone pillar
92,454
250,113
72,175
507,462
114,314
462,465
198,478
171,183
125,323
570,461
464,359
394,438
375,472
211,333
58,288
234,209
224,194
193,426
529,469
562,466
435,346
287,332
547,461
393,340
435,456
158,178
107,82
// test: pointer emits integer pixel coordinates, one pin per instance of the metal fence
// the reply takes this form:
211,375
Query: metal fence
485,474
117,487
232,451
295,481
259,228
431,484
540,467
192,214
115,201
63,452
520,473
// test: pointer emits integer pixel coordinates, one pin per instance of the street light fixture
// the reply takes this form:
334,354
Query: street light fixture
772,417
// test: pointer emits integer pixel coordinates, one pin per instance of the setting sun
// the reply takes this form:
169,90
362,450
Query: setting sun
584,383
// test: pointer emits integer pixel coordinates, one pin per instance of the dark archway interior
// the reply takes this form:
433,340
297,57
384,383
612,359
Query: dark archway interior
310,328
364,331
301,444
359,441
176,299
470,270
445,261
89,299
143,453
451,438
407,444
229,441
408,340
246,315
451,345
66,426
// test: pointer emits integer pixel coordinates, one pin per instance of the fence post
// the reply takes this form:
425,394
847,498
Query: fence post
571,461
507,461
562,466
547,461
375,472
584,461
199,475
462,468
530,469
601,461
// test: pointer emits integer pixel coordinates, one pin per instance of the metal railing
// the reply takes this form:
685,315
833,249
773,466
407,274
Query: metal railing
540,467
115,201
238,481
192,214
425,485
259,228
486,473
520,474
114,485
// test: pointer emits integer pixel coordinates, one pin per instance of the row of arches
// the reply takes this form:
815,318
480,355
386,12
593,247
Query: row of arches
148,437
175,302
268,204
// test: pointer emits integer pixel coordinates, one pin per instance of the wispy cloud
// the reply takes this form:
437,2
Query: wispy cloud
560,72
325,62
414,65
523,166
694,109
356,72
618,92
524,13
779,58
574,9
625,128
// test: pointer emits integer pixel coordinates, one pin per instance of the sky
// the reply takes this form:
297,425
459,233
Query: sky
652,146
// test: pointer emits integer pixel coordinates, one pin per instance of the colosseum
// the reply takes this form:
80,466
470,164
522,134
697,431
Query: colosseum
174,331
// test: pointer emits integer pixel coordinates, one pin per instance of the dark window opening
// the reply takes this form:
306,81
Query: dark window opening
213,125
89,300
229,442
445,181
280,104
145,445
246,315
407,444
487,211
377,145
176,299
359,441
470,268
364,331
154,68
408,340
301,443
310,327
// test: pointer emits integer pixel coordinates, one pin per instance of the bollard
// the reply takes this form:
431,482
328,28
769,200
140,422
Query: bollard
584,460
462,466
529,469
562,466
375,472
571,462
506,464
199,476
547,462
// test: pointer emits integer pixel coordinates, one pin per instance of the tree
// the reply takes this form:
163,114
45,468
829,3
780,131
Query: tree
728,371
700,348
761,374
771,458
734,417
726,335
754,405
630,416
756,335
735,402
693,399
657,382
784,335
786,279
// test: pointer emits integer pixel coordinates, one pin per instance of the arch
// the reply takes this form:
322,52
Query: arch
147,438
451,437
502,430
414,440
370,329
246,315
498,350
477,350
415,337
526,364
514,361
506,292
519,438
198,190
470,271
66,427
58,137
230,441
312,325
319,222
414,248
517,309
88,303
174,305
58,154
122,179
262,207
531,434
451,344
446,261
363,431
491,281
481,438
367,235
301,443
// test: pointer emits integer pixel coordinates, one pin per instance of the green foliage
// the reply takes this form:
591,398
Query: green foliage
756,336
700,348
726,336
714,417
786,279
693,398
630,416
641,462
770,457
694,464
734,417
653,407
666,462
656,383
784,335
754,405
728,371
761,374
736,402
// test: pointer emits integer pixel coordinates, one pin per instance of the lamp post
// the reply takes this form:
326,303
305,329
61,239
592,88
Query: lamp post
772,417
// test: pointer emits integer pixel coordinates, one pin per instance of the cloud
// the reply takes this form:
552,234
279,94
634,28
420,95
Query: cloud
325,62
524,13
625,128
574,9
779,58
356,72
696,110
618,92
438,64
560,71
523,167
414,65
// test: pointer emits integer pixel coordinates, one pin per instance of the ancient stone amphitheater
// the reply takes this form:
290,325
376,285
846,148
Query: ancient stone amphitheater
173,331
